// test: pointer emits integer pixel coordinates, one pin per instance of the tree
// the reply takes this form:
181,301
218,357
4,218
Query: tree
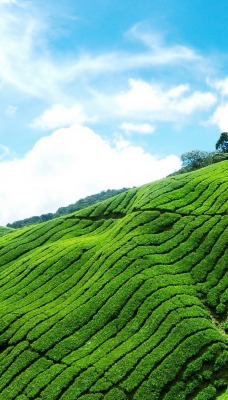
195,159
222,143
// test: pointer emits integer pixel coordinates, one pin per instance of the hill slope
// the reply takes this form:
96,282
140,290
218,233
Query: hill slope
5,230
125,299
82,203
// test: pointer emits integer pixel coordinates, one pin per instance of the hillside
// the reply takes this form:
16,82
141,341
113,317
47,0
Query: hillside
82,203
5,230
125,299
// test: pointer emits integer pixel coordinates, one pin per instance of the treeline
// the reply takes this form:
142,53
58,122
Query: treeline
191,161
196,159
82,203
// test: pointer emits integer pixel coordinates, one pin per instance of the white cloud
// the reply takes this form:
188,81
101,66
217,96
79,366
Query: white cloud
70,164
30,63
8,2
144,129
10,111
141,97
220,117
5,153
152,101
161,52
177,91
59,116
221,85
141,101
196,101
27,60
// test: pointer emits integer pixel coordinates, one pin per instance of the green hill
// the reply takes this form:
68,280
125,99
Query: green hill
5,230
82,203
125,299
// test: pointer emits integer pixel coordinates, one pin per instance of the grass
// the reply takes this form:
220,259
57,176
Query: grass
125,299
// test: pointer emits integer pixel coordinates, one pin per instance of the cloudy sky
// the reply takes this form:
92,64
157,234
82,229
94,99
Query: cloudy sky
103,94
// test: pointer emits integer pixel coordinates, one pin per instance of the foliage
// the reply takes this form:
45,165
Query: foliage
222,143
196,159
123,299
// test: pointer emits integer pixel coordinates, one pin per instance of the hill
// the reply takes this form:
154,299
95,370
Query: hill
82,203
5,230
125,299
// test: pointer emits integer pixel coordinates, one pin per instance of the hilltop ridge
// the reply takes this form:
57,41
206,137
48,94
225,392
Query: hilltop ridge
124,299
82,203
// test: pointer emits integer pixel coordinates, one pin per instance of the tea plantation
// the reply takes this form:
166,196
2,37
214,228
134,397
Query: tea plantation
4,230
125,299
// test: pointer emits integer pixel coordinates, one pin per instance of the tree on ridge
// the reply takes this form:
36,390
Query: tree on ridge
222,143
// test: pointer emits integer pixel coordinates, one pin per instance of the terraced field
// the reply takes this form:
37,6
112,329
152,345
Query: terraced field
126,299
4,230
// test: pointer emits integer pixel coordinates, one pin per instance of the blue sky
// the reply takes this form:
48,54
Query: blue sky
103,94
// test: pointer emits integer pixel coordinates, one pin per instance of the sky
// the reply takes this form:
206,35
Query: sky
105,94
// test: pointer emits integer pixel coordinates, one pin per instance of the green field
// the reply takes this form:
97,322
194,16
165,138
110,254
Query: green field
125,299
5,230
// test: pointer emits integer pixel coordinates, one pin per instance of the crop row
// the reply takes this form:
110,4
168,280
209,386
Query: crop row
109,302
64,266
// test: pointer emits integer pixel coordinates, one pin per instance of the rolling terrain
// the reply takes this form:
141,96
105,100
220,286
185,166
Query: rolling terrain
82,203
5,230
122,300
